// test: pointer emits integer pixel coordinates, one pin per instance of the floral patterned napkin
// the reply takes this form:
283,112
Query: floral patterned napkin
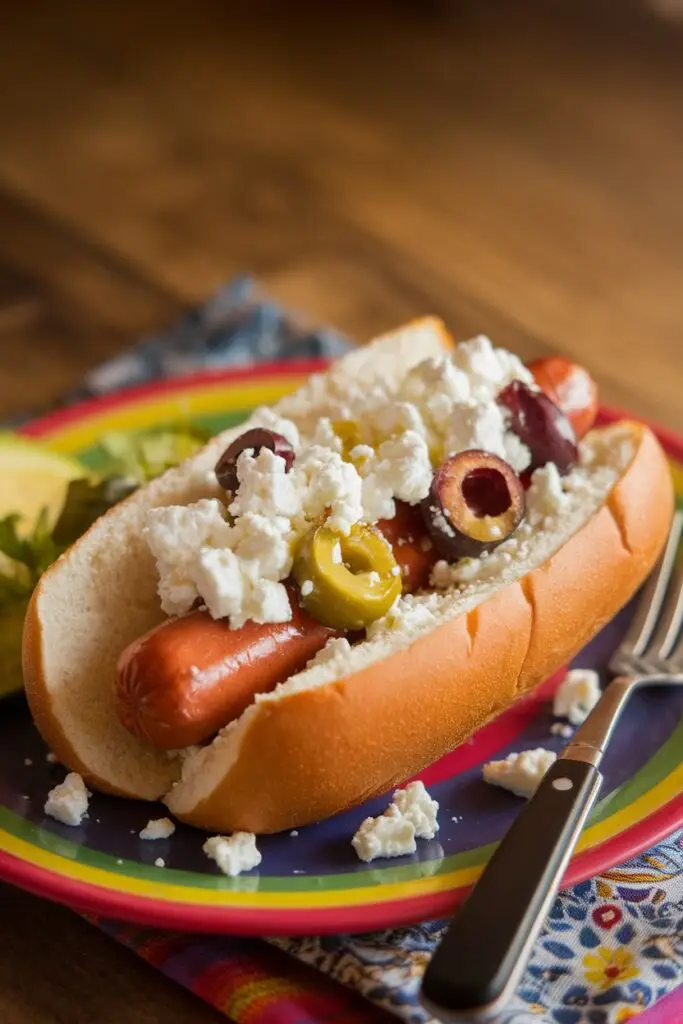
611,947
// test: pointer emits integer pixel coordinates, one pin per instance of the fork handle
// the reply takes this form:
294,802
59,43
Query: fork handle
488,943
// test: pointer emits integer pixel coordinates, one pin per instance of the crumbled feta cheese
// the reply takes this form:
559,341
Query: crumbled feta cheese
158,828
265,486
396,570
51,758
395,418
520,773
336,648
28,762
328,486
560,729
325,435
160,862
434,386
577,695
545,496
306,588
415,804
405,465
233,854
265,542
175,533
68,802
232,591
294,833
410,815
389,835
266,417
489,369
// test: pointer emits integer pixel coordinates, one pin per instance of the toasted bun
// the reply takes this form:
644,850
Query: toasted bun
303,755
102,593
347,729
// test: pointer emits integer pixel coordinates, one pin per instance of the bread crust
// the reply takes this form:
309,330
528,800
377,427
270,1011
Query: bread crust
314,753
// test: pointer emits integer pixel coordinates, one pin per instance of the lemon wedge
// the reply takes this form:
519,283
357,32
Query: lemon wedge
33,478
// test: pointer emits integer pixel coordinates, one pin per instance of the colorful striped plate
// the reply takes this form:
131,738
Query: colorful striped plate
312,881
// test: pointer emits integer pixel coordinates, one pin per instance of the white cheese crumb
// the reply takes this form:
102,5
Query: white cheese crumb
415,804
306,588
119,860
389,835
68,802
175,534
560,729
28,762
410,815
266,417
520,773
545,496
233,854
51,758
158,828
577,695
294,832
160,862
396,570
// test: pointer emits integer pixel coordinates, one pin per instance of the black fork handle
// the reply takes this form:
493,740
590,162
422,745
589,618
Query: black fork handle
483,953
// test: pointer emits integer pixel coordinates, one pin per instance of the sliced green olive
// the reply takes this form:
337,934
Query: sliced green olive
349,433
347,582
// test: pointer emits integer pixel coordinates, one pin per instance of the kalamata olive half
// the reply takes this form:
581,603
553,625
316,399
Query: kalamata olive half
475,502
540,425
254,439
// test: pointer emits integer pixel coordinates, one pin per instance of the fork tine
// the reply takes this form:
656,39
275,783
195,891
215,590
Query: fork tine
663,641
650,605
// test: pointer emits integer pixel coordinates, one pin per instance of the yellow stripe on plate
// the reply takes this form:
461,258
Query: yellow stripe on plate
149,411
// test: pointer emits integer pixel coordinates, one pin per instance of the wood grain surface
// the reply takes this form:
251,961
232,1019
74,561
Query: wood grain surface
515,168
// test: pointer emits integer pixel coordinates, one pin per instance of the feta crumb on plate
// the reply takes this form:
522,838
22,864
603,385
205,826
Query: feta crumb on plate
520,773
416,805
160,862
410,815
577,695
233,854
389,835
68,802
158,828
560,729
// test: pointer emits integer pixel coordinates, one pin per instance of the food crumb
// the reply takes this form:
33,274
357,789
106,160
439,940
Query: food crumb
560,729
28,762
158,828
51,758
294,832
160,862
298,871
119,860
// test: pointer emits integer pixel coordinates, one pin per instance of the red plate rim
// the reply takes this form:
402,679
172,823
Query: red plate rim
154,912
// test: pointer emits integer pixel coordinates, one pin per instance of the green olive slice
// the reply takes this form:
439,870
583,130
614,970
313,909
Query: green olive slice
346,582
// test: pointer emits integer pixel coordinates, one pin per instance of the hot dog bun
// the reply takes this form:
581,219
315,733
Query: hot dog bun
363,719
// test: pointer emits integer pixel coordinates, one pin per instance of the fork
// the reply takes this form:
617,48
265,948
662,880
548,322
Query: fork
479,961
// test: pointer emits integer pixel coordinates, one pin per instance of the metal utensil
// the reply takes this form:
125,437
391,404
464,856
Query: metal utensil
480,959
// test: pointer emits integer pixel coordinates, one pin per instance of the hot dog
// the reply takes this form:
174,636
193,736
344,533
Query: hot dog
515,583
185,679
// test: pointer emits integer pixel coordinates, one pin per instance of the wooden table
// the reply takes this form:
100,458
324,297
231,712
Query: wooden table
515,168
